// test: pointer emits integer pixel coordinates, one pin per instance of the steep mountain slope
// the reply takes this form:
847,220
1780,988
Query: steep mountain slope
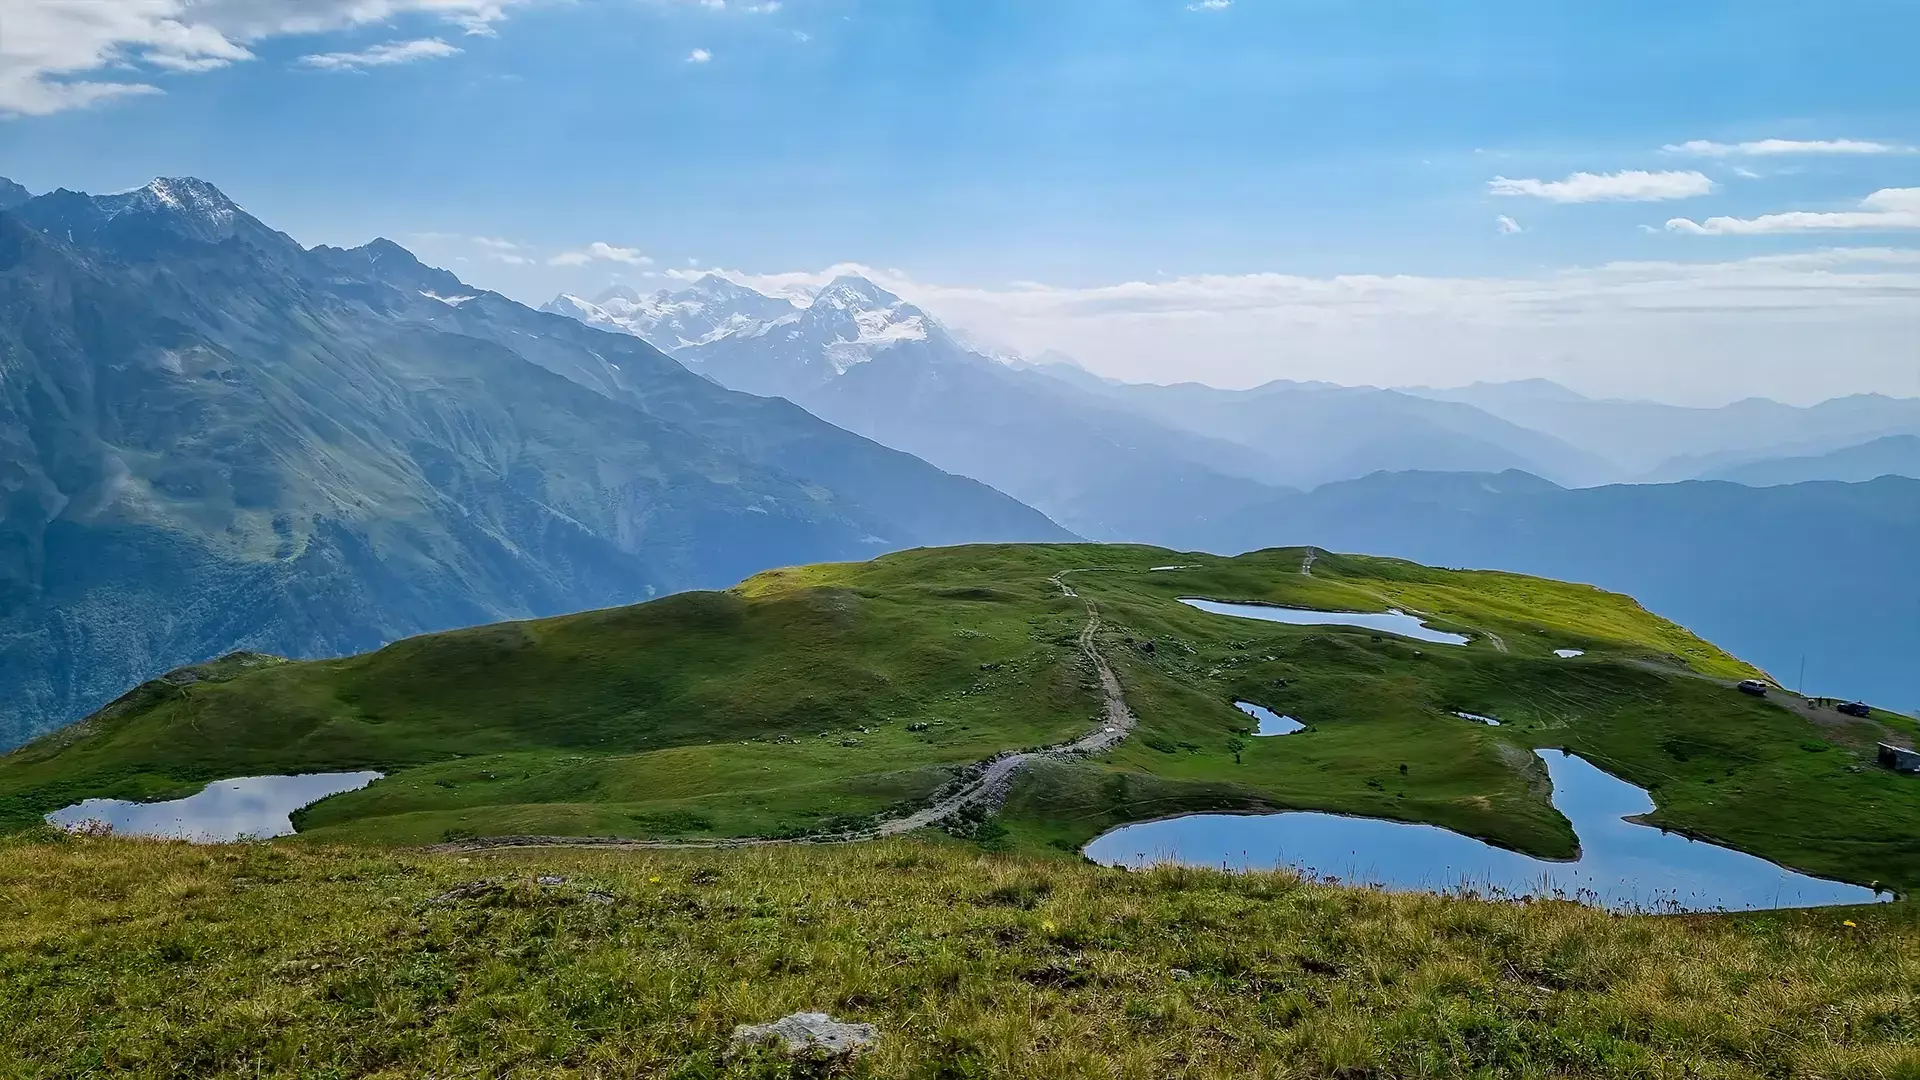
862,358
1821,571
211,438
1889,455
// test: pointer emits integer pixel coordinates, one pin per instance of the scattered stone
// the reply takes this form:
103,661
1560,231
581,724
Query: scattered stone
472,890
917,727
811,1031
549,881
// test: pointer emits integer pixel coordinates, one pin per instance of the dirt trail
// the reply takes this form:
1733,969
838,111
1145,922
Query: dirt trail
989,787
1306,564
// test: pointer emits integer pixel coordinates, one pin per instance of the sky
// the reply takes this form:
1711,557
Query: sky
1690,202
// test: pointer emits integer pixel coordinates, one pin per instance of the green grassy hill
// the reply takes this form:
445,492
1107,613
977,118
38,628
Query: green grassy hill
808,699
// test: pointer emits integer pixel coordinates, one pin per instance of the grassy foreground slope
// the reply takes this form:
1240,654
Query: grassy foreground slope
806,698
140,959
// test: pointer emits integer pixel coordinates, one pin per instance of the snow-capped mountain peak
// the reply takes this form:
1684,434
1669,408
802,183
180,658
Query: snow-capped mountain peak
583,311
710,308
179,196
767,343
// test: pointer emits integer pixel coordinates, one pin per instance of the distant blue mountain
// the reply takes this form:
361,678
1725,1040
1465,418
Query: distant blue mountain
1891,455
1825,571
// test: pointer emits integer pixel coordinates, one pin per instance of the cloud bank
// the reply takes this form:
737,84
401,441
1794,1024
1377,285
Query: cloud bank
66,54
1886,209
1633,185
1782,147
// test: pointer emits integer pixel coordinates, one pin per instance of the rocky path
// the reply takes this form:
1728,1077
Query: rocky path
987,787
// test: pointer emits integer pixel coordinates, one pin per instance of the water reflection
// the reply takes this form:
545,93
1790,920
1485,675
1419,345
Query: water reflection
246,807
1271,723
1392,622
1621,865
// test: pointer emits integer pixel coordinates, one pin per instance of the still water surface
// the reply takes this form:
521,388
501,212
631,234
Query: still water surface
1622,865
1391,622
247,807
1271,723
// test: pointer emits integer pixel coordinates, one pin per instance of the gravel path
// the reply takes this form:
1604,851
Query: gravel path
989,786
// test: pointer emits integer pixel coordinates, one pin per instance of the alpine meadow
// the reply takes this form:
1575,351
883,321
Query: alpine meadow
887,540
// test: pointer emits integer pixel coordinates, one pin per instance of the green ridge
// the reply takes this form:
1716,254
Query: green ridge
810,698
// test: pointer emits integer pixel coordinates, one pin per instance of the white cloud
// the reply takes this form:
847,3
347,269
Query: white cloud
1706,332
1886,209
1506,226
1210,5
67,54
699,56
496,243
600,251
1633,185
1780,147
385,54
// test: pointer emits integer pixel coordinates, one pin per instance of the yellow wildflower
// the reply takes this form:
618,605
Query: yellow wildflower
1849,922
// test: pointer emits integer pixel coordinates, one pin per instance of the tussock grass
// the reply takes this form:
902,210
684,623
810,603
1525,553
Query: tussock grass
140,959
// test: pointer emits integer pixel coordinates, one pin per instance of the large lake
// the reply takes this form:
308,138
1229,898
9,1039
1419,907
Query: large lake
248,807
1391,622
1622,865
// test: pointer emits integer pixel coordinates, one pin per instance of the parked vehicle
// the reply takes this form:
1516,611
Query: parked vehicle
1754,687
1854,708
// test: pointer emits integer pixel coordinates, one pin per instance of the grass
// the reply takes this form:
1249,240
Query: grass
809,697
145,959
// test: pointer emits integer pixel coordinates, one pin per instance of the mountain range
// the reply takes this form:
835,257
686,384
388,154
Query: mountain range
1522,476
874,363
1111,461
862,358
1655,442
212,438
1889,455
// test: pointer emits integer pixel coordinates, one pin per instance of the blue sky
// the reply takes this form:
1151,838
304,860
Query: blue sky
1343,165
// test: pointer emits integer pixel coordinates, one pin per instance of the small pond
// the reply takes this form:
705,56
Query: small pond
1271,723
1622,865
1390,622
1478,719
1568,654
253,807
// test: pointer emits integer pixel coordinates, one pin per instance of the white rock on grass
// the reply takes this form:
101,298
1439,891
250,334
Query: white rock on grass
811,1031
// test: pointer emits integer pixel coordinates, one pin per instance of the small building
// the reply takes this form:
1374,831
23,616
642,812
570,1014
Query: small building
1899,758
